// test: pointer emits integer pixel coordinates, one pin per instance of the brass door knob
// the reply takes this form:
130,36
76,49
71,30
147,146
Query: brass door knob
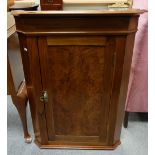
44,97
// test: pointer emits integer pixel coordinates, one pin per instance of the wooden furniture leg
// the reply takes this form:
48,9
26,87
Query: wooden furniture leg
125,124
20,102
19,99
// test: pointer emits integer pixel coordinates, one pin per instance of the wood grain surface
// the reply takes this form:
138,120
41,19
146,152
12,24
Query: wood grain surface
82,60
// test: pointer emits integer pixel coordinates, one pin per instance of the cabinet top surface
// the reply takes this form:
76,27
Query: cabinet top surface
79,12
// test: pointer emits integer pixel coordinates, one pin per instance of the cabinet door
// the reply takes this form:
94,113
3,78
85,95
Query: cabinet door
77,74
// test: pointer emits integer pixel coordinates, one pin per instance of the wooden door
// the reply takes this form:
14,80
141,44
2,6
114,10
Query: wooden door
77,73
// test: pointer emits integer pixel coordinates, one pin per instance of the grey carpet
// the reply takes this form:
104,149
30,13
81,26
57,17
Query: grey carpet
134,139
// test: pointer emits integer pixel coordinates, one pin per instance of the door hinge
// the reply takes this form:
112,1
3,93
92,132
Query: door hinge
44,97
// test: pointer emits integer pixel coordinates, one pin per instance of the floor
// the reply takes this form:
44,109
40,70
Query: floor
134,139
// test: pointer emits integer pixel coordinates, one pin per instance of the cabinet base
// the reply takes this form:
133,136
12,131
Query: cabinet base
75,146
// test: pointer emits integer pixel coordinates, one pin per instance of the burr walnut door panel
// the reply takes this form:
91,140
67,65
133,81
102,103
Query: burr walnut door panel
77,73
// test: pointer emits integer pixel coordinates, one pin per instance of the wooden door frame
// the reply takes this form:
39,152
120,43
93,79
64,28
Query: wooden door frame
42,49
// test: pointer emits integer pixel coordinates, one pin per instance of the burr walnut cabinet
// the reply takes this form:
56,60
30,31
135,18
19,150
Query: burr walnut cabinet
76,66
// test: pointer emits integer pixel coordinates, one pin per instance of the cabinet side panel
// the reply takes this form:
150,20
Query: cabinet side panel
125,76
118,69
124,84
